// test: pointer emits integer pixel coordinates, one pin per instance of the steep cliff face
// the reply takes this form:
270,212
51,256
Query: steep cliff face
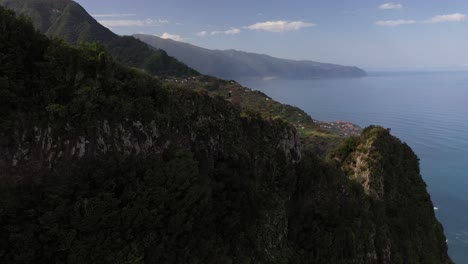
235,193
363,166
100,163
388,171
47,146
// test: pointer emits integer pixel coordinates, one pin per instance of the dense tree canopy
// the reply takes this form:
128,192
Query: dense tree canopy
73,24
214,186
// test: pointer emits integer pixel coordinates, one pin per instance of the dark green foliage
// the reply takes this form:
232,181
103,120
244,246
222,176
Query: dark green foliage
21,54
409,210
70,22
331,220
188,204
132,52
111,211
406,211
60,18
216,186
310,132
67,20
346,148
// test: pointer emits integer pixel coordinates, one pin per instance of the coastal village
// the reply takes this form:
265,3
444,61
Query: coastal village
342,128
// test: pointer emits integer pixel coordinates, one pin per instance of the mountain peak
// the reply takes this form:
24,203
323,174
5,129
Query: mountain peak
66,19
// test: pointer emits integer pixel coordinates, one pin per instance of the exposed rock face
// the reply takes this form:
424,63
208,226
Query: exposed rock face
377,161
363,167
388,171
49,146
268,148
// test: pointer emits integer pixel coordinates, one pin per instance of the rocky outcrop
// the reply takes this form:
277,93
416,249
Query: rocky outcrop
388,171
49,146
363,166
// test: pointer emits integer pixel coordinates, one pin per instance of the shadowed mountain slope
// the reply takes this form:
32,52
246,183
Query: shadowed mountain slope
69,21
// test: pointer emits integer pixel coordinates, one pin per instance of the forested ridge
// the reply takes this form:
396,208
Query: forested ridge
101,163
67,20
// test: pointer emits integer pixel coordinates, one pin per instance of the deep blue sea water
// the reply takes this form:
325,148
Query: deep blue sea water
429,111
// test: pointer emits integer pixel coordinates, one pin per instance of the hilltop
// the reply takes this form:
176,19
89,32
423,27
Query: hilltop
67,20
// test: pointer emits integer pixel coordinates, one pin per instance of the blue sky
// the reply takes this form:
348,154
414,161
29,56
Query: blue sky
373,34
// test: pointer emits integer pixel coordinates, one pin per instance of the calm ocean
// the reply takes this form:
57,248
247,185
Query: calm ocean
429,111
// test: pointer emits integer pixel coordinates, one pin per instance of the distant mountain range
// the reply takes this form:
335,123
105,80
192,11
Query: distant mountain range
67,20
233,64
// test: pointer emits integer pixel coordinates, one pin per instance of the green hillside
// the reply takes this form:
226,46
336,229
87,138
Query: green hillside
67,20
101,163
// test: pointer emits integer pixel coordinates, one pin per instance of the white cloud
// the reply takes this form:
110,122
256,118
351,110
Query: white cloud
280,25
389,6
112,15
166,35
271,26
456,17
163,21
132,22
121,23
394,23
232,31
